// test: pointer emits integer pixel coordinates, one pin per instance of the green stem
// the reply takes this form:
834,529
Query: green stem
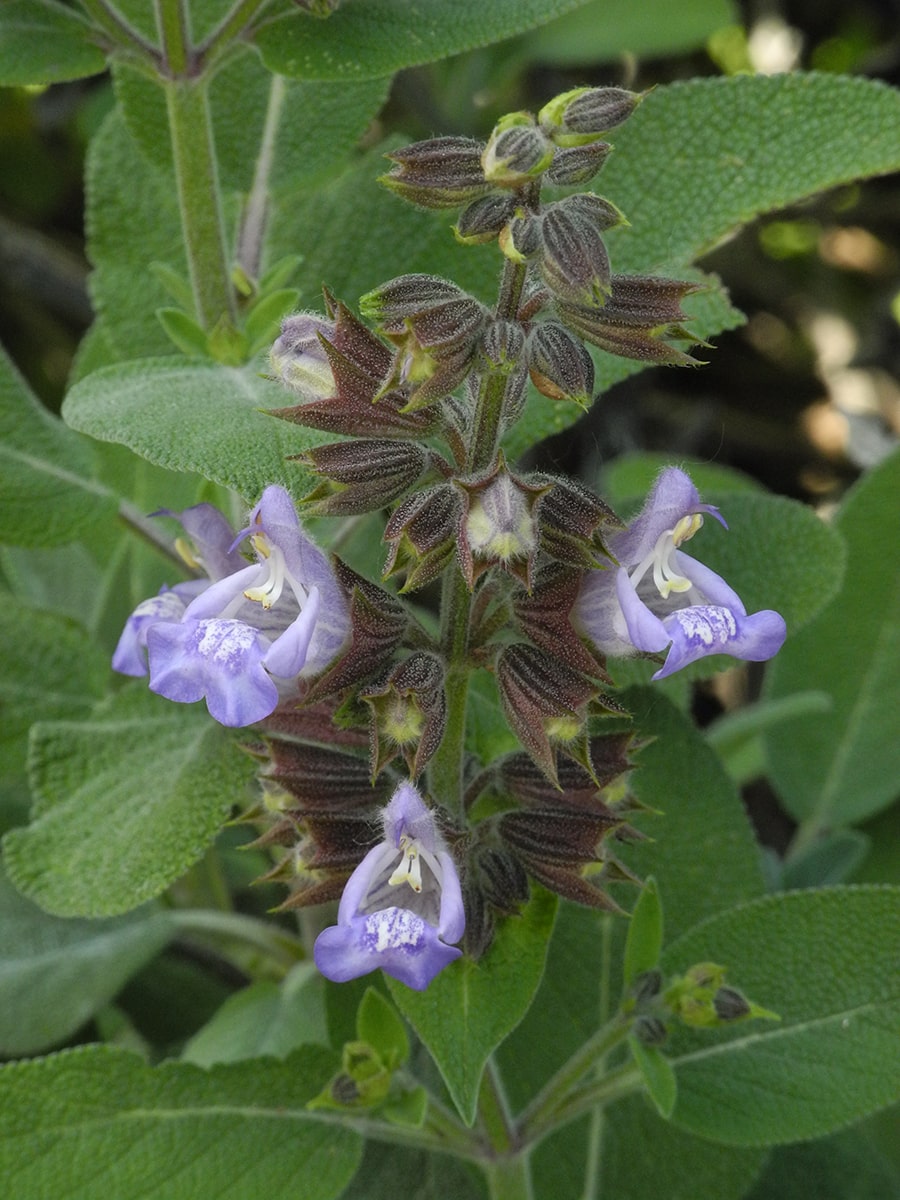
445,771
509,1177
256,208
121,33
507,1166
196,176
232,26
278,945
624,1081
541,1114
489,409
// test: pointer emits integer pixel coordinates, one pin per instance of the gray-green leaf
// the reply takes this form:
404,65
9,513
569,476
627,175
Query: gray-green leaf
55,974
45,42
124,803
471,1007
827,962
47,494
99,1122
191,415
379,37
844,765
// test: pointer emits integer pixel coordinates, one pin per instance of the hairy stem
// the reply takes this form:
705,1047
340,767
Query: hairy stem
232,26
507,1167
542,1114
489,409
256,208
446,768
196,175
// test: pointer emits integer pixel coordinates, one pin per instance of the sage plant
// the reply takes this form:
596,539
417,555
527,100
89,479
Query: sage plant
399,734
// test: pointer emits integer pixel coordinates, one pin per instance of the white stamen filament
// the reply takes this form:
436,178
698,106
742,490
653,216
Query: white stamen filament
268,592
409,869
665,578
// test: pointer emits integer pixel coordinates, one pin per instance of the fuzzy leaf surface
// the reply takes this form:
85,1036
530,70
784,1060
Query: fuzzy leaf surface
844,765
471,1007
603,30
191,415
124,803
50,669
367,38
55,973
43,42
827,962
99,1122
264,1018
47,493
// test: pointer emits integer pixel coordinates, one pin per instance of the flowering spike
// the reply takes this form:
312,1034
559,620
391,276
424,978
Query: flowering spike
402,907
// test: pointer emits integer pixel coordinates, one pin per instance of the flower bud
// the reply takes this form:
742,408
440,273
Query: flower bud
423,533
299,359
577,164
517,151
482,220
362,475
502,344
441,172
639,312
407,296
574,261
545,703
582,115
409,712
521,238
559,366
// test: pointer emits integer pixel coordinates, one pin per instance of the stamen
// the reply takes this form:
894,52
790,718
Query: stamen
269,591
409,869
665,578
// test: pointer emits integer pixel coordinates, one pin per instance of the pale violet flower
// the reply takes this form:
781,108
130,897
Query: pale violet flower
402,908
661,597
241,638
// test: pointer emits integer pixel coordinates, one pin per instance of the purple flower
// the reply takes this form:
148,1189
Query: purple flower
660,596
298,356
402,907
244,636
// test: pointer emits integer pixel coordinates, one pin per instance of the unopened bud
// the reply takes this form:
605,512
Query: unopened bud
574,261
299,359
363,474
582,115
559,366
577,164
521,238
503,344
407,296
650,1031
517,151
482,220
408,713
442,172
730,1005
423,533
